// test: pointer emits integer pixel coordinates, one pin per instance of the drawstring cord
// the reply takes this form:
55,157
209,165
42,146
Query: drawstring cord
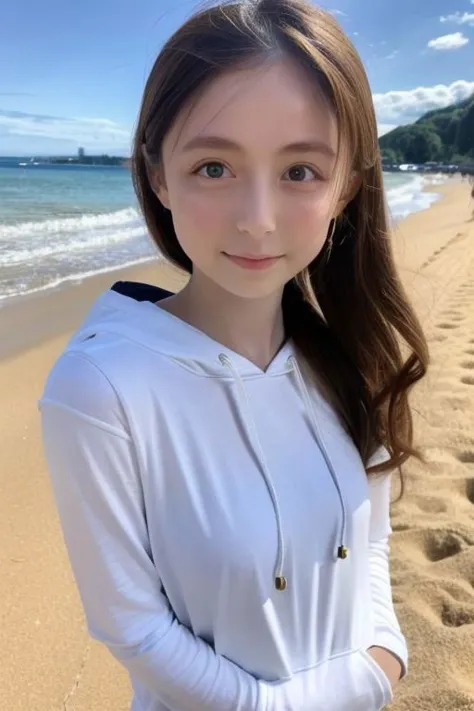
280,580
342,551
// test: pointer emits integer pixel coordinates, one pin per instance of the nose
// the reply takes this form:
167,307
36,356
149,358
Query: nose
257,212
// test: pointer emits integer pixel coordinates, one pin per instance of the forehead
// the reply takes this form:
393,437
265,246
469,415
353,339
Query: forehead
261,108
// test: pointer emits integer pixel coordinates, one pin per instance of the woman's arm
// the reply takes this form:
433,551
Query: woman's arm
97,488
389,646
390,664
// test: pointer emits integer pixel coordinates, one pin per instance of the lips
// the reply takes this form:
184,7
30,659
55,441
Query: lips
252,262
253,257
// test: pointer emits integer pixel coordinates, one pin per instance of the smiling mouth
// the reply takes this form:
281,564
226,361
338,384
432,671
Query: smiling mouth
253,258
255,263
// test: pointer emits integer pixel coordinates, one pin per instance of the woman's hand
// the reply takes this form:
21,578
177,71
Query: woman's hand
388,662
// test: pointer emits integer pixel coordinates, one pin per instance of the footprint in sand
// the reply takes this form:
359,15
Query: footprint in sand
467,380
440,544
453,315
470,490
468,364
463,486
453,603
455,615
432,545
468,351
456,590
400,526
466,457
462,302
446,325
457,608
430,504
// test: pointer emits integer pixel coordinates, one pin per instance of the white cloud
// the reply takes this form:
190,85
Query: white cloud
342,14
22,133
94,134
393,54
383,128
465,18
400,107
446,42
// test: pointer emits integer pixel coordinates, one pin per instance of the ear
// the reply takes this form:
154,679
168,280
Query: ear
158,185
352,188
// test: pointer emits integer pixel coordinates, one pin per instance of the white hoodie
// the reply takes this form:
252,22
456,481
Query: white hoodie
187,480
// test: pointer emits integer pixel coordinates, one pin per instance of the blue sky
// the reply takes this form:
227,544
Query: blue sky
72,74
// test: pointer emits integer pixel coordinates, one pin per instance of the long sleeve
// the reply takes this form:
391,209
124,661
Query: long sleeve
387,628
96,483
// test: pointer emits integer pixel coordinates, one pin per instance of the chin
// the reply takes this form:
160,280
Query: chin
254,290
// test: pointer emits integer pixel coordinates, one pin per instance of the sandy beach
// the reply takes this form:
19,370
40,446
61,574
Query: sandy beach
49,663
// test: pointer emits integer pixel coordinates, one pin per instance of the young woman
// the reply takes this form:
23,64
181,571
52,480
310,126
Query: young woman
221,458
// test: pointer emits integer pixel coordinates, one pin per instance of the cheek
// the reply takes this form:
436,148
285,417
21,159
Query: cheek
199,222
308,226
199,205
199,212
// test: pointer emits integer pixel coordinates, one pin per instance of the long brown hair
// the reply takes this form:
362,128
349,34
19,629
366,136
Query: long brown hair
347,312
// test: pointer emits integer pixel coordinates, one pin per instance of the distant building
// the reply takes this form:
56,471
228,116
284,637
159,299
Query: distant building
81,153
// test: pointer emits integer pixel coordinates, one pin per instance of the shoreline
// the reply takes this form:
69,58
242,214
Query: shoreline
53,312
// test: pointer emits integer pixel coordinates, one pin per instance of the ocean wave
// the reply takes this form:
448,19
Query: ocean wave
75,278
67,225
410,197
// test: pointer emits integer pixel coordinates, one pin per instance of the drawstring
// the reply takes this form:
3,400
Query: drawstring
279,579
342,551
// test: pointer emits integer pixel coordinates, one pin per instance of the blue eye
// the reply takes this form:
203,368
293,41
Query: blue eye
214,173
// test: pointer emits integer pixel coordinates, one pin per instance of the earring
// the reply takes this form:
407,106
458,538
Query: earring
331,235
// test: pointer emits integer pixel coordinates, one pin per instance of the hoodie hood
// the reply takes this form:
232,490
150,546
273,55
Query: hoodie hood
130,309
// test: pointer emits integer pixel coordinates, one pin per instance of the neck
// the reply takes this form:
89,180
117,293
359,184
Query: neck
251,327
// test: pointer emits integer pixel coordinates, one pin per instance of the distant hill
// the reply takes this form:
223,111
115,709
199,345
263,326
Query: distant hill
444,135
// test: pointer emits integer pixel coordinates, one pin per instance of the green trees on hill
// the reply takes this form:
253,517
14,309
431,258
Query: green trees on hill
444,135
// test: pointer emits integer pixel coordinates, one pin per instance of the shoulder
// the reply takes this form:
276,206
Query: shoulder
78,384
111,378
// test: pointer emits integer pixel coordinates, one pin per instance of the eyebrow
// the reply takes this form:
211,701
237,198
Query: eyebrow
219,142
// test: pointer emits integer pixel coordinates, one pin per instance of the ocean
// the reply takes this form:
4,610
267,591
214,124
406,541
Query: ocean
62,223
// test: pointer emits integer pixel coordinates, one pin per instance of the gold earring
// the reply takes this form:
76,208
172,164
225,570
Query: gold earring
331,235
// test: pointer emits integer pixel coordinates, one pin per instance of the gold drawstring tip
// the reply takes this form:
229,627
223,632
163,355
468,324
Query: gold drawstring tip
280,583
342,552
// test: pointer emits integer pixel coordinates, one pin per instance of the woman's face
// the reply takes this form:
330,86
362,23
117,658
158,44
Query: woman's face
237,185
